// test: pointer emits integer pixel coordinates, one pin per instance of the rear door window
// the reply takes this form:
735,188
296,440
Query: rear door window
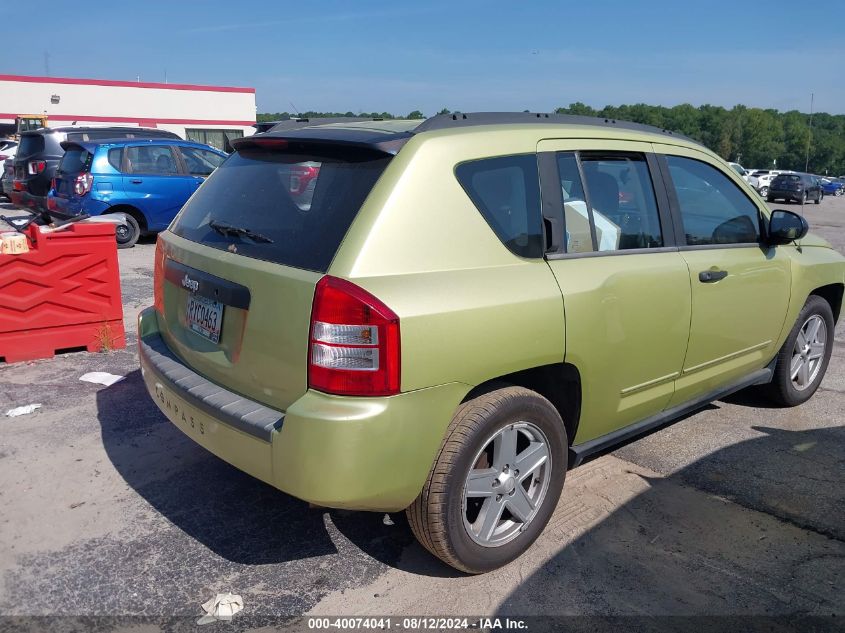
506,190
151,159
297,206
618,210
622,198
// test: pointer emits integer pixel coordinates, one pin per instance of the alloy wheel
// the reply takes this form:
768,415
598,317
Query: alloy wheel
506,484
808,352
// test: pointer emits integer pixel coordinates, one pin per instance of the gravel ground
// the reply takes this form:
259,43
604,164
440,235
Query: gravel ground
108,510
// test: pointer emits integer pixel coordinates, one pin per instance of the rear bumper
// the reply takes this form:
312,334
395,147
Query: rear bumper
66,208
341,452
30,201
786,195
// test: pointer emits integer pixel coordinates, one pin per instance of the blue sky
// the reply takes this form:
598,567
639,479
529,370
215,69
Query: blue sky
466,55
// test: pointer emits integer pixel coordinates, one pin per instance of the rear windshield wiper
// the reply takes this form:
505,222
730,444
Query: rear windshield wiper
228,229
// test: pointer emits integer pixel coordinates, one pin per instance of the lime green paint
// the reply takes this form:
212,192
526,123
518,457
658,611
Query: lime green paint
262,355
642,331
357,453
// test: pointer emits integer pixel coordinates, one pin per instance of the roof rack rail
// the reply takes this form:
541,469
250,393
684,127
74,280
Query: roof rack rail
469,119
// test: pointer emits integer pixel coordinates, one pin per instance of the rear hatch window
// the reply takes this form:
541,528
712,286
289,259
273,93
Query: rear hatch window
76,160
291,207
30,144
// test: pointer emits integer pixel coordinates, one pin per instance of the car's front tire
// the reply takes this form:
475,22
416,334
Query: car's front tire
764,191
802,361
495,482
819,197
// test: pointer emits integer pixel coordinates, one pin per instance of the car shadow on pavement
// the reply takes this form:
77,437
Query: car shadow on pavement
755,528
231,513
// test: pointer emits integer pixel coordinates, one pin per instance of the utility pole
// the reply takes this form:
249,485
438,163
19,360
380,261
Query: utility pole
810,135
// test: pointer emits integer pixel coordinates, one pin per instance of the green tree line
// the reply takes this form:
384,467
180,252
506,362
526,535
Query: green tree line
755,137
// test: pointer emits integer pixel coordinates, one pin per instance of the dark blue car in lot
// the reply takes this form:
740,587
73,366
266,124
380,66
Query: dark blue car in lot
833,186
146,180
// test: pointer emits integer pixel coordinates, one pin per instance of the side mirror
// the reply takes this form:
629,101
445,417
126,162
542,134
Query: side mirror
786,227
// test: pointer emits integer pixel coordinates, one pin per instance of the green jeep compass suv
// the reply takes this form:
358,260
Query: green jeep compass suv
446,316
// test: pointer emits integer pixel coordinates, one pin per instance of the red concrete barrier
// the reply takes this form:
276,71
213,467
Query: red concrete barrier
63,294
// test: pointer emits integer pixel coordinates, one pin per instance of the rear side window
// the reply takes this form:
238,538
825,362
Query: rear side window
31,144
506,191
713,209
76,160
151,159
115,157
297,206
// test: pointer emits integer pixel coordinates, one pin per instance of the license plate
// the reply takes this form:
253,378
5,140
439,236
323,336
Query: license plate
205,317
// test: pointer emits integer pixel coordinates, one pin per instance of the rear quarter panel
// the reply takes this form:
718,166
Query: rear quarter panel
470,310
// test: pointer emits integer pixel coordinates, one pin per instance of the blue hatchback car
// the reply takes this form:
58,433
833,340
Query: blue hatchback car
147,180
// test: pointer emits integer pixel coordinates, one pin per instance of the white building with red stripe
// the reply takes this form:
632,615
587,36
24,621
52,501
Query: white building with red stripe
208,114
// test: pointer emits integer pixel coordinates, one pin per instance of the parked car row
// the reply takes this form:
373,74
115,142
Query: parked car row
144,174
792,186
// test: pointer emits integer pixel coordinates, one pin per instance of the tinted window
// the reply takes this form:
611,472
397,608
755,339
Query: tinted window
150,159
579,237
31,144
622,200
75,160
200,162
713,209
115,157
506,191
622,211
304,203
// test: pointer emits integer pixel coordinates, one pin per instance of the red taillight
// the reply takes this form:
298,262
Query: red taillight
82,184
18,185
354,342
158,277
36,167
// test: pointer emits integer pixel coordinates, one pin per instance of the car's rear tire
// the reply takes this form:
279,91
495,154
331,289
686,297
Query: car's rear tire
127,233
764,191
804,198
819,197
478,510
802,361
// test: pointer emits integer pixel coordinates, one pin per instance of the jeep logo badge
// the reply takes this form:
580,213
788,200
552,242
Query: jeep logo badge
190,284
